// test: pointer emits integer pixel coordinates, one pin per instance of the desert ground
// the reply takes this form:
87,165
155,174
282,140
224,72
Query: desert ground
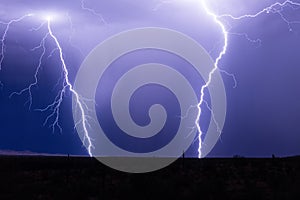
63,177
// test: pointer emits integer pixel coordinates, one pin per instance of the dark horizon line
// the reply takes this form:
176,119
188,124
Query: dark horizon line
12,153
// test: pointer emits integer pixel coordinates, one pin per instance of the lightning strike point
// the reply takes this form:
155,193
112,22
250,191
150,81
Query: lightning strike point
276,8
215,67
67,85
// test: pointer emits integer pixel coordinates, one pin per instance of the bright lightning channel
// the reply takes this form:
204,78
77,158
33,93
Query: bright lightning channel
216,18
216,64
67,84
55,106
275,8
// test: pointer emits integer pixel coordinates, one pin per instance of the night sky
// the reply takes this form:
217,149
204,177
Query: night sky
263,111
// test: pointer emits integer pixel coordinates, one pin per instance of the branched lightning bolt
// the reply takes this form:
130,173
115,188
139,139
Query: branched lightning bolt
33,84
3,38
72,33
235,83
98,15
275,8
55,106
215,67
67,86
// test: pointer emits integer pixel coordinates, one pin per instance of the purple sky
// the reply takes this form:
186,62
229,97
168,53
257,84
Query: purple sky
263,112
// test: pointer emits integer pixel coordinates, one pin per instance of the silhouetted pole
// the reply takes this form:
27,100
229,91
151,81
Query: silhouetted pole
68,168
183,158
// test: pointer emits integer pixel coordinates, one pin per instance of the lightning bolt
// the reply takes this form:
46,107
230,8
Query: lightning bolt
72,33
92,11
4,36
33,84
66,86
55,106
205,86
275,8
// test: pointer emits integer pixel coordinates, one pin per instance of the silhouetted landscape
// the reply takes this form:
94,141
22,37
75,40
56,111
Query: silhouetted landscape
47,177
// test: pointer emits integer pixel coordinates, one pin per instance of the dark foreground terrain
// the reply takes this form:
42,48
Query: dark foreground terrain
37,177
